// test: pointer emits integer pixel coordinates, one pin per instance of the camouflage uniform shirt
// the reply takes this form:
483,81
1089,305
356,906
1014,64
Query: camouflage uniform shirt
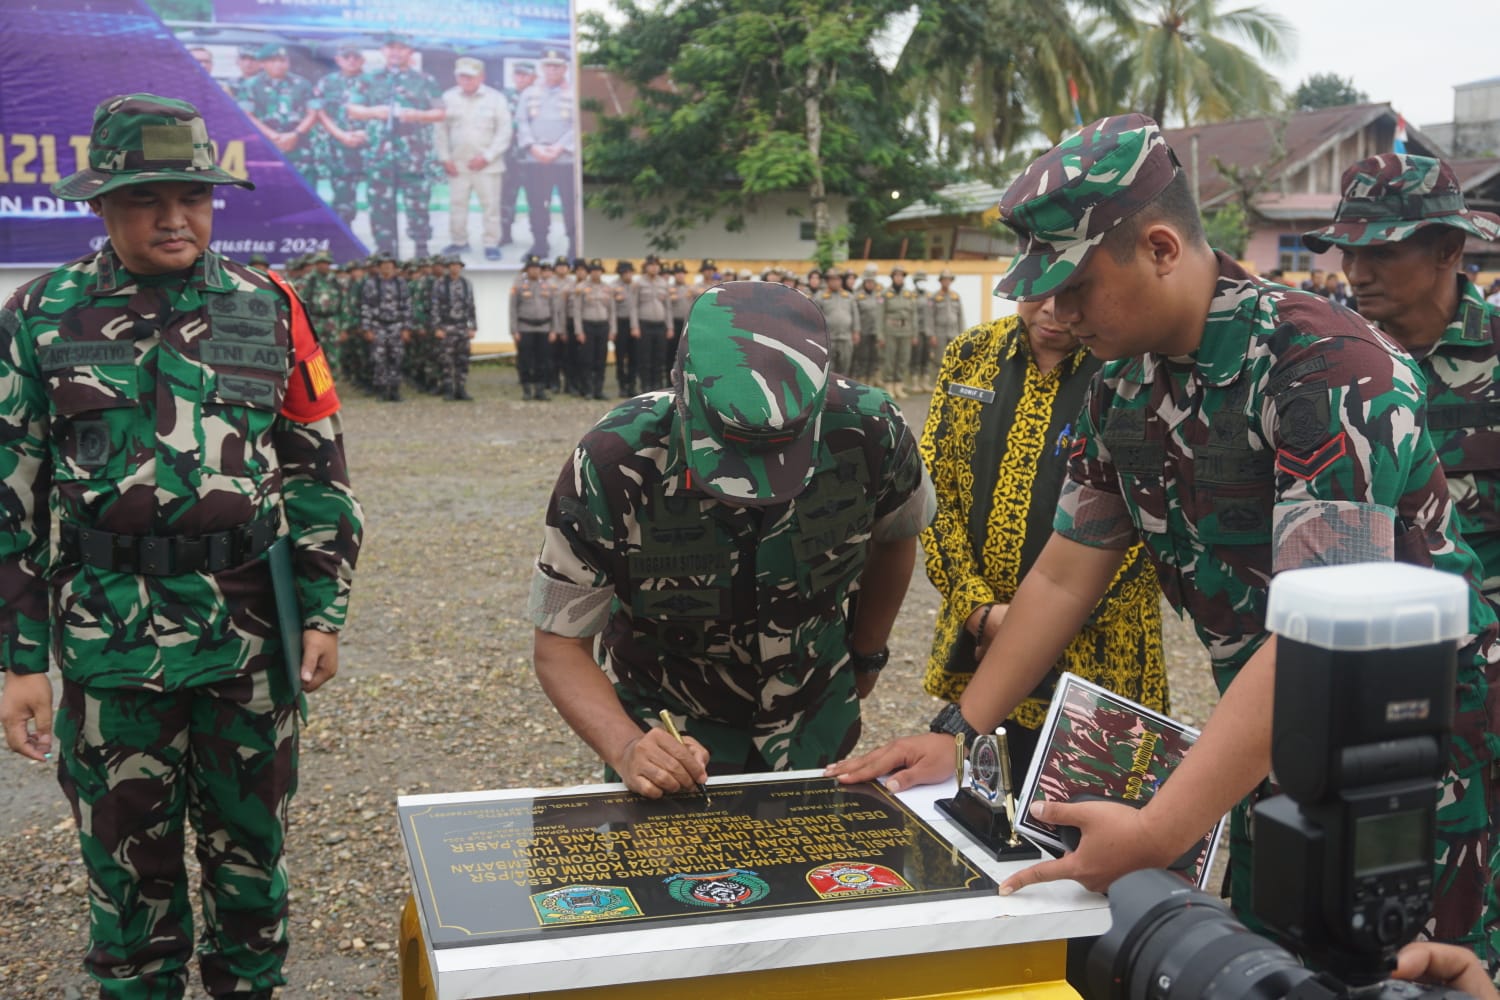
1463,417
155,407
733,616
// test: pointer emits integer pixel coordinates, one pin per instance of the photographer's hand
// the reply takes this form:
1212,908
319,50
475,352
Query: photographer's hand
1445,965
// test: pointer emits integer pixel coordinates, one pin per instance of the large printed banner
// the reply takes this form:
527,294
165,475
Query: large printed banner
366,125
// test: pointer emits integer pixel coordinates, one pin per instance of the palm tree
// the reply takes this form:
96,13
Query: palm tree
988,74
1179,59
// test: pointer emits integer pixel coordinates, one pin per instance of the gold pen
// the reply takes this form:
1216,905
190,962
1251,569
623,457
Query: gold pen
671,727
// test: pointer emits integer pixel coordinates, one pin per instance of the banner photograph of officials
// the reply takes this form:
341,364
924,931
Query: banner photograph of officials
372,125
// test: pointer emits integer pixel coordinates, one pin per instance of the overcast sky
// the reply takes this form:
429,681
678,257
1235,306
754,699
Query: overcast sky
1408,53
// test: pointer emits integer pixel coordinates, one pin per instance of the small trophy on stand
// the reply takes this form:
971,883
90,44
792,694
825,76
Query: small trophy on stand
986,806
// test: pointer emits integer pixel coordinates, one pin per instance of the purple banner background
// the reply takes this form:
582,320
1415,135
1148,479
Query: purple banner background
464,21
57,62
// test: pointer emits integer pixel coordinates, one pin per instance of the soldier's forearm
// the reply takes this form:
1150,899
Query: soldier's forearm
882,588
582,693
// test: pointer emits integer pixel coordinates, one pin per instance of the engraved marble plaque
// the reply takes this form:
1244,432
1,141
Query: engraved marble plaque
517,869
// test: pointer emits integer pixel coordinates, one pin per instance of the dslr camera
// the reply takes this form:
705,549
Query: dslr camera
1366,657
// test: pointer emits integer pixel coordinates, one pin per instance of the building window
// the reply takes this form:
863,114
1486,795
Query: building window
806,232
1291,255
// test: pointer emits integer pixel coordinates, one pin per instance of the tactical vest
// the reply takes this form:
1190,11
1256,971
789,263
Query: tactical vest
1467,435
230,380
684,586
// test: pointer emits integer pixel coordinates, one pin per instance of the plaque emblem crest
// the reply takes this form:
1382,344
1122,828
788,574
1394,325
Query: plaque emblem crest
849,878
574,904
729,888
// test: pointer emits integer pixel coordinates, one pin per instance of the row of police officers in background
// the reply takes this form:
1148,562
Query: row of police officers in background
565,318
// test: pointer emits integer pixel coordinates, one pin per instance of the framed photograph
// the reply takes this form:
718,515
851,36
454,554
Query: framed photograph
1095,742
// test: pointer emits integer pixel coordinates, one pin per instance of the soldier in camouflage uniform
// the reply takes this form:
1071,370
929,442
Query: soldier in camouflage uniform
842,318
282,106
1401,227
385,317
354,349
401,105
868,303
249,67
456,323
418,355
167,417
1294,437
342,142
758,454
324,297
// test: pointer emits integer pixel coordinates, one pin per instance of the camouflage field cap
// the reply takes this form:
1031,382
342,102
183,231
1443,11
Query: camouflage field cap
142,138
1071,196
1389,197
750,380
321,257
258,259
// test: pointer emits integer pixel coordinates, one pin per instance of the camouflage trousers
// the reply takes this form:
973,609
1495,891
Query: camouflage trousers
326,329
453,358
343,167
415,189
386,352
136,764
1466,908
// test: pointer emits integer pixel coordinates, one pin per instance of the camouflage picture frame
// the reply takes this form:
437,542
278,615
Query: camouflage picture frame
1098,743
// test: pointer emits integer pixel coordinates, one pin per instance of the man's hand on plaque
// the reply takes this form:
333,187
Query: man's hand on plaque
1114,841
910,761
654,764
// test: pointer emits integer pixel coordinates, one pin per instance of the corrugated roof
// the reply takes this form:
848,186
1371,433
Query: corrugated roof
967,198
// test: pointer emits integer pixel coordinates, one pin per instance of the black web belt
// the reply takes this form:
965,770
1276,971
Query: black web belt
170,555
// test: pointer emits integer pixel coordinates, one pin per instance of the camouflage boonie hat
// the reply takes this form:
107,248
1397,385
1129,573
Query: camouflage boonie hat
1071,196
140,139
321,257
1388,198
750,379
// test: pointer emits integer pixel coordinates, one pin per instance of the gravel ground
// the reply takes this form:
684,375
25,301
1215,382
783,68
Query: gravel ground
435,691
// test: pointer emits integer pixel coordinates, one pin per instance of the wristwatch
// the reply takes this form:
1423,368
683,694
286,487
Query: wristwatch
869,663
951,721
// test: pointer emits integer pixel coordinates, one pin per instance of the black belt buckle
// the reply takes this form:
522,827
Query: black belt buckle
192,553
156,556
220,555
124,554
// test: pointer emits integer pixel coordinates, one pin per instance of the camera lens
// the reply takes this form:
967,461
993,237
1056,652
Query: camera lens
1390,924
1171,942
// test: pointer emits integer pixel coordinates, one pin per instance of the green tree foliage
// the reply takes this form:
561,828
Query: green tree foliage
990,74
1227,229
1325,90
1183,58
738,99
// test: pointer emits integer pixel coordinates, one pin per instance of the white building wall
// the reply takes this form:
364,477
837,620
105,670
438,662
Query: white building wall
771,232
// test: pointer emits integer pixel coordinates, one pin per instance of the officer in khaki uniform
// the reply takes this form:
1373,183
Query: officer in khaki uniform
593,325
471,143
839,313
945,314
650,303
535,320
899,306
624,344
869,301
922,355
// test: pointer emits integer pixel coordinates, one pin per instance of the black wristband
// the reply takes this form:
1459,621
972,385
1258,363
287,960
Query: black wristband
984,619
869,663
951,721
